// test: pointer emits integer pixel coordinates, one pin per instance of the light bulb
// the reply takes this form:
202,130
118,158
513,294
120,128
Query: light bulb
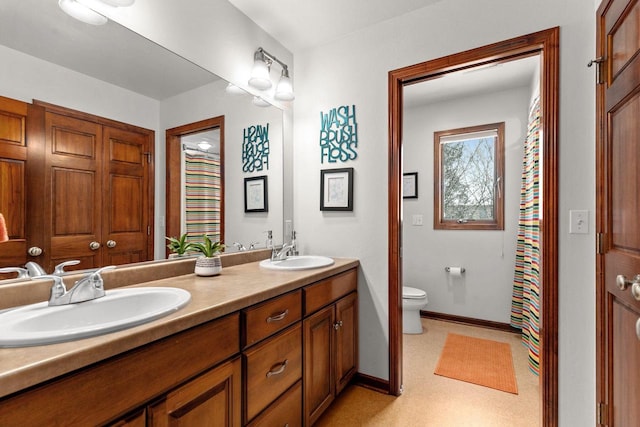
260,78
81,12
284,90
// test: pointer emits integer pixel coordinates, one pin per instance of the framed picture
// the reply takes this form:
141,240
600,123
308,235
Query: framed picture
255,194
410,185
336,189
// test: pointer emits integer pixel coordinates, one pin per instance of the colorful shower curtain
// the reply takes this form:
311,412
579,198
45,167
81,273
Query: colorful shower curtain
202,197
525,304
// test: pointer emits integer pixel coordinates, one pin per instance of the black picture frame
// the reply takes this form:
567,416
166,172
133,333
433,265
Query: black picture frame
256,194
410,185
336,189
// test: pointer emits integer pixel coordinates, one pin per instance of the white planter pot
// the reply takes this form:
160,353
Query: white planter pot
208,266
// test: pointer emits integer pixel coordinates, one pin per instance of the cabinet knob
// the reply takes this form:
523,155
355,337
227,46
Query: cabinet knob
94,246
111,243
337,325
34,251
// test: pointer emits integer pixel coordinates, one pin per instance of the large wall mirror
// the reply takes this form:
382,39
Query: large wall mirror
112,72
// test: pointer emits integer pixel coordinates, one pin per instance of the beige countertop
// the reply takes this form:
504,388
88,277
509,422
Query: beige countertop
237,287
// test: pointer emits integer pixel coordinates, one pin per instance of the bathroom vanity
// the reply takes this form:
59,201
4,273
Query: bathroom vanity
253,347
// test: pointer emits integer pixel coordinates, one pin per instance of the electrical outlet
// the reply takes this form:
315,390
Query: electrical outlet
578,222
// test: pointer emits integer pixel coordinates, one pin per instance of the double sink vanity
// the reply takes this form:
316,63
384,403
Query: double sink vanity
258,345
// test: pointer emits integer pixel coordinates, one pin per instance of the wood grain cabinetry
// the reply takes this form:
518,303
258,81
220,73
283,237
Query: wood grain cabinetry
277,363
273,359
105,392
330,341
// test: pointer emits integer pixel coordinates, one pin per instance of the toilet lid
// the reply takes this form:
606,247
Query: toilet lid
413,293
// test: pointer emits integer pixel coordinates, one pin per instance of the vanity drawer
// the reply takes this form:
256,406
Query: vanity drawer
271,316
326,291
271,368
286,411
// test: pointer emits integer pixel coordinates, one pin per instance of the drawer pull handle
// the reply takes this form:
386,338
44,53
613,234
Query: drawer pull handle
277,317
279,370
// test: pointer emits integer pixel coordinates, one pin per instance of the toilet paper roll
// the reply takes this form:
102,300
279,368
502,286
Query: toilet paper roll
455,271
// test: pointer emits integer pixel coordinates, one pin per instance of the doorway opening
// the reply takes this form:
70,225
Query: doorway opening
544,43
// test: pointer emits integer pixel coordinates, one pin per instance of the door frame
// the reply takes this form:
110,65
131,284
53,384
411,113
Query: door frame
545,43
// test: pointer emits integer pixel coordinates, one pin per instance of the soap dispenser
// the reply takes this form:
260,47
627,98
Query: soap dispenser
269,242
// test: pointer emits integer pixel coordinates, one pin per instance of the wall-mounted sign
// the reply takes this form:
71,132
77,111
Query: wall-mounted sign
255,148
338,134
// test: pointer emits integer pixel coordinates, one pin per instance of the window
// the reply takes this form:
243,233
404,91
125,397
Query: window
469,165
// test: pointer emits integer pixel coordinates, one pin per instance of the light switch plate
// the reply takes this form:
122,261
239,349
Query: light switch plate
578,222
416,220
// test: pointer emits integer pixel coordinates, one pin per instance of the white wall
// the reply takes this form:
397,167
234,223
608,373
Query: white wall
484,290
26,78
211,101
354,70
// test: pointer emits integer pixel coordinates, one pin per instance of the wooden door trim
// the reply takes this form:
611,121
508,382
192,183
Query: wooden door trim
173,189
546,43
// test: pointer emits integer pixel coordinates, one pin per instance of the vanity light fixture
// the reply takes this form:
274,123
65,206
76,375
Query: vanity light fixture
259,102
204,145
85,10
232,89
261,79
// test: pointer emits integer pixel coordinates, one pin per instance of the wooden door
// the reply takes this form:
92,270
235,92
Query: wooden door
13,192
346,340
319,380
126,226
74,201
212,399
618,110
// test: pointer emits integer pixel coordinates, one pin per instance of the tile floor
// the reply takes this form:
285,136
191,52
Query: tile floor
431,400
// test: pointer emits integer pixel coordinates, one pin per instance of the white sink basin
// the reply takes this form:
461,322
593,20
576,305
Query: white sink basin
302,262
38,324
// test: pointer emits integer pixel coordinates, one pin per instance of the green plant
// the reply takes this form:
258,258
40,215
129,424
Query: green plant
179,245
207,247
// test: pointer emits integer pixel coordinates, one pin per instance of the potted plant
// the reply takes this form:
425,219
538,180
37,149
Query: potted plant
178,246
209,263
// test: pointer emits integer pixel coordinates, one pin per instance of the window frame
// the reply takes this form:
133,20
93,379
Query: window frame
497,223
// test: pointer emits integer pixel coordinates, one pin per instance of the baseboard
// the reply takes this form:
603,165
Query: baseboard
372,383
470,321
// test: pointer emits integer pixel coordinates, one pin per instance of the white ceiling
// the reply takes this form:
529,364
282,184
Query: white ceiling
300,24
109,52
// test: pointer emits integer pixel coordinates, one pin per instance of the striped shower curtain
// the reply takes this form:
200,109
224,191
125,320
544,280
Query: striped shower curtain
525,304
202,197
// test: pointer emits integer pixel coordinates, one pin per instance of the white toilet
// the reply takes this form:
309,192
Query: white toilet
413,300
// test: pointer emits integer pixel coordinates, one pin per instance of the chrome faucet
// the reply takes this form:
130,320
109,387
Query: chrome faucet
59,269
23,273
282,253
239,246
89,287
34,269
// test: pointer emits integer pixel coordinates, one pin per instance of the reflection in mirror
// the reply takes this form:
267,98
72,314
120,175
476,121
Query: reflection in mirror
201,178
112,72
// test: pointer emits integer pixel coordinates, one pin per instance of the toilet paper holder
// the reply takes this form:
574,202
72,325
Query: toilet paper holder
448,269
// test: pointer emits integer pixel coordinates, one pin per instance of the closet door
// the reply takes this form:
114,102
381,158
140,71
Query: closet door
13,164
73,191
126,227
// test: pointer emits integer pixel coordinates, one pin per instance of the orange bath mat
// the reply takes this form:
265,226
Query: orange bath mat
478,361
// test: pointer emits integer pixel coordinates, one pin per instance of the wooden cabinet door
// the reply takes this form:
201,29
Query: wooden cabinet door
136,419
213,399
13,193
319,349
126,225
618,36
73,190
346,341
